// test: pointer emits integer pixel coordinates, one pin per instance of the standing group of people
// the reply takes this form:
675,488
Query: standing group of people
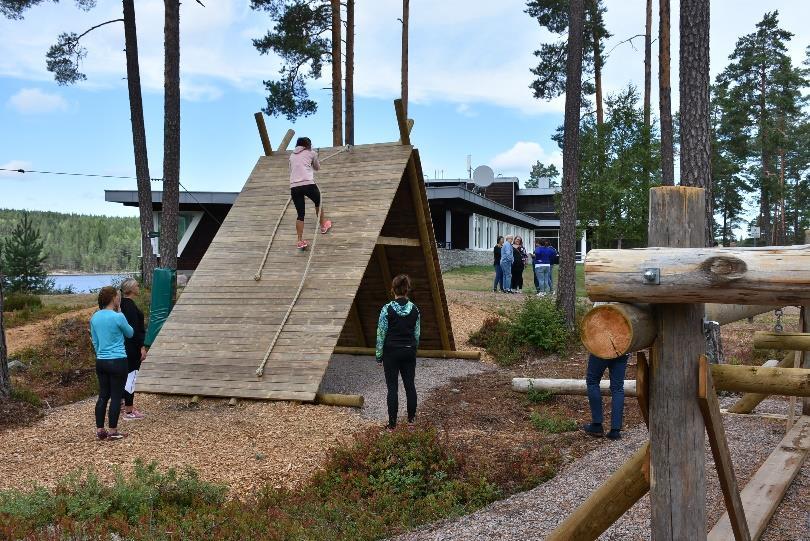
510,258
117,330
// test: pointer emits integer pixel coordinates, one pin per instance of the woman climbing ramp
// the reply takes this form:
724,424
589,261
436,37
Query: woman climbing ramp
397,339
303,164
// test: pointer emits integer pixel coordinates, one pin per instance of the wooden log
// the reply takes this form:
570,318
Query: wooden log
568,386
766,489
643,386
426,353
609,502
677,433
286,141
758,379
260,125
342,400
397,241
797,341
804,326
710,408
385,270
765,275
749,401
612,330
357,323
402,122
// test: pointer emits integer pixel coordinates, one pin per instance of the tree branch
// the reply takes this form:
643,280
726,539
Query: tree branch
80,36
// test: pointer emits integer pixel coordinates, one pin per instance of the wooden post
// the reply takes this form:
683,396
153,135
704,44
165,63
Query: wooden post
805,327
268,150
286,141
402,121
761,379
609,502
385,270
643,386
343,400
710,408
677,431
354,315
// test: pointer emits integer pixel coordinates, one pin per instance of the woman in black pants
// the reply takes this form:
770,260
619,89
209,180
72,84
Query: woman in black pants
518,265
136,352
398,331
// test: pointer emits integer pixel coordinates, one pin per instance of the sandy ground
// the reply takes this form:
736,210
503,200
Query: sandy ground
27,336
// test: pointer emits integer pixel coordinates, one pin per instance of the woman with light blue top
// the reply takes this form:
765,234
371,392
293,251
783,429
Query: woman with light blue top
108,328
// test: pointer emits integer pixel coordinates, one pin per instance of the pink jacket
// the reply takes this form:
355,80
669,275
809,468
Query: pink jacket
303,164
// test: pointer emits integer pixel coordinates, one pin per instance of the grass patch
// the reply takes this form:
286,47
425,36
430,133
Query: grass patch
537,396
28,314
480,277
379,486
24,394
551,424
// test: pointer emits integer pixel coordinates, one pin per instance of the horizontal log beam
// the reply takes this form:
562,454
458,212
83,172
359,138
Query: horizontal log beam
568,386
757,379
766,275
796,341
397,241
343,400
610,330
429,353
749,401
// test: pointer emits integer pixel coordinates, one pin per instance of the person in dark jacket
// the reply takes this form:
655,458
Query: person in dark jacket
496,251
518,265
136,352
398,331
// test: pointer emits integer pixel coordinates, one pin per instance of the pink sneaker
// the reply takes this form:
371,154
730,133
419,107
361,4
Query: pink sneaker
327,225
134,415
302,245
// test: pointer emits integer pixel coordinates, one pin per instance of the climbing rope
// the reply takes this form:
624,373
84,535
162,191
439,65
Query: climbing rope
258,275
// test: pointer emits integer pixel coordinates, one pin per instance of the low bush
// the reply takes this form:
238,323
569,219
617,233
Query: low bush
552,424
18,301
24,394
538,396
497,337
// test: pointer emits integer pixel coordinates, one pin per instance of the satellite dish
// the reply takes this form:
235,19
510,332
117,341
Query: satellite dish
483,175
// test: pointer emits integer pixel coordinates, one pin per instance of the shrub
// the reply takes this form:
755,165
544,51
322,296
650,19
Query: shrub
18,301
552,424
538,396
497,337
24,394
542,325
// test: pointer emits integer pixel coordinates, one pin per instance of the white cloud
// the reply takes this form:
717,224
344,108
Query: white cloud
518,160
465,110
14,165
35,101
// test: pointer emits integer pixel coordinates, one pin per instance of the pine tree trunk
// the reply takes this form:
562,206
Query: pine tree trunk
694,93
764,188
647,65
171,136
337,77
597,69
139,142
566,285
665,97
5,380
406,13
349,72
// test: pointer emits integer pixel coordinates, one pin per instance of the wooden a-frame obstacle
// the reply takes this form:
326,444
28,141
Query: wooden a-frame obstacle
677,389
224,323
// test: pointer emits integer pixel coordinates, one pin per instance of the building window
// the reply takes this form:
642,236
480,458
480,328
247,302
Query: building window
187,222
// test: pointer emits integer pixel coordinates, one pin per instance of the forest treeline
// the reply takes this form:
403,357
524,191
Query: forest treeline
83,243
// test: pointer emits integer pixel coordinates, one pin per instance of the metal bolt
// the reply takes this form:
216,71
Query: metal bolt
651,276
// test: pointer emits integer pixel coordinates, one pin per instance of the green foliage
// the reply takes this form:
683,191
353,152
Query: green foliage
552,424
538,396
24,394
14,9
21,258
541,171
64,57
497,337
76,242
299,38
18,301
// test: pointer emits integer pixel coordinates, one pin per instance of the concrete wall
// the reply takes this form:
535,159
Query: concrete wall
453,259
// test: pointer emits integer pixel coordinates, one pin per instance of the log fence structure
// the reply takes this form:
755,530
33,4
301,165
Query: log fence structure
660,299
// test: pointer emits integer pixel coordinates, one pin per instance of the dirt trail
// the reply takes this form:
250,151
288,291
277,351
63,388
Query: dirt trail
33,334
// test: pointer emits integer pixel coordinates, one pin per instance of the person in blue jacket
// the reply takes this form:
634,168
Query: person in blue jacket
398,330
108,328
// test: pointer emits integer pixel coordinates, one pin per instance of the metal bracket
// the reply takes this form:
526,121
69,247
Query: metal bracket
652,276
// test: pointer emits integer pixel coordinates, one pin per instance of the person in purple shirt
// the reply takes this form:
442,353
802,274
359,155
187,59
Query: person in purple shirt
544,256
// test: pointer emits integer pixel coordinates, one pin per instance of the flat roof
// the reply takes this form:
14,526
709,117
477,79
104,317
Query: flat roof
129,197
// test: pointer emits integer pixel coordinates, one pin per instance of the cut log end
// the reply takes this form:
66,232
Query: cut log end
614,335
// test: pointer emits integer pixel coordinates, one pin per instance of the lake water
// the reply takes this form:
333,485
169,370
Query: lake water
86,283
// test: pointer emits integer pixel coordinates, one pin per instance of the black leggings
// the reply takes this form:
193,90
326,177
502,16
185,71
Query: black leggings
112,376
298,193
400,361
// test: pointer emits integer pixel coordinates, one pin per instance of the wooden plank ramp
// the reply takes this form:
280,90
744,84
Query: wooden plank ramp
224,320
765,491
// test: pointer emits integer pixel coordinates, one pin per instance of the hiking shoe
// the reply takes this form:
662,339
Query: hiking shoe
614,434
134,415
327,225
594,430
102,434
116,436
302,244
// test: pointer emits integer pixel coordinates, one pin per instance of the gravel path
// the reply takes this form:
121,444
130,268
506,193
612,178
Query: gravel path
533,514
360,375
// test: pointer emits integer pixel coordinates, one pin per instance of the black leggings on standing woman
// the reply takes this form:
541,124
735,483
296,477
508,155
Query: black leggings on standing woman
396,361
112,376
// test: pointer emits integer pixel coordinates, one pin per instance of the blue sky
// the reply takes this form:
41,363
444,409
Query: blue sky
469,78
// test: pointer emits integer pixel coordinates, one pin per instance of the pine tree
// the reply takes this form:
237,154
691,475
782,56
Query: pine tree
540,170
665,97
171,135
5,380
23,258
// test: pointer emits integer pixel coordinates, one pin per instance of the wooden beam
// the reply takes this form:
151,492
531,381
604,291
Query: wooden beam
643,386
410,125
710,408
397,241
357,323
286,141
758,379
729,313
767,275
428,243
749,401
797,341
268,150
427,353
343,400
609,502
568,386
385,270
764,492
804,326
402,122
677,433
